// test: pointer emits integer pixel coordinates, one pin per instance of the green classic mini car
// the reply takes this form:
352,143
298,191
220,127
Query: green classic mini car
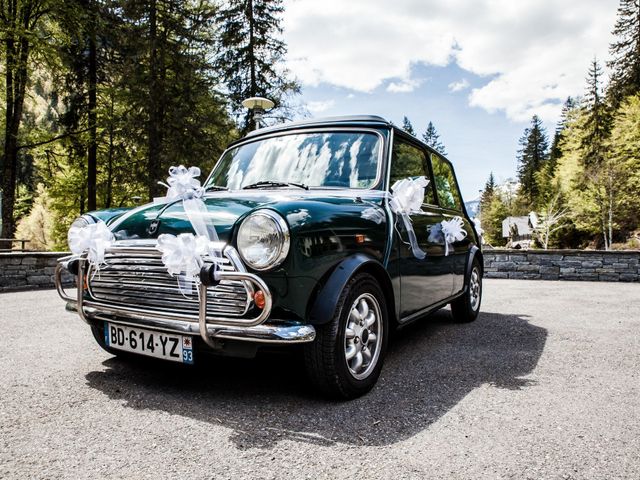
316,247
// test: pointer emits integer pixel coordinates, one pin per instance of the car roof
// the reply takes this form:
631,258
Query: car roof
342,121
370,121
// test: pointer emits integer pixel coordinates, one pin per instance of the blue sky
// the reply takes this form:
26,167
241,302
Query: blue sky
476,141
477,69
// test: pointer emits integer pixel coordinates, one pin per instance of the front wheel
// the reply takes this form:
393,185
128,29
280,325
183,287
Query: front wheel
466,307
346,357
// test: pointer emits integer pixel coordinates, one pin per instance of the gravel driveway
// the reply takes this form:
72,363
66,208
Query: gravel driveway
545,384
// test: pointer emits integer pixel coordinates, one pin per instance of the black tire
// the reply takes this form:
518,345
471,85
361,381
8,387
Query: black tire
466,307
326,357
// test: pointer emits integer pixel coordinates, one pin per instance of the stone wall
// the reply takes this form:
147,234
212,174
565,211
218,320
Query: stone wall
29,270
593,265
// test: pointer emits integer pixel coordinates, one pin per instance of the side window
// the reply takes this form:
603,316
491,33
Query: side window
446,186
410,161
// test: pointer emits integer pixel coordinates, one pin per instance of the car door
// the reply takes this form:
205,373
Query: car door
423,282
451,206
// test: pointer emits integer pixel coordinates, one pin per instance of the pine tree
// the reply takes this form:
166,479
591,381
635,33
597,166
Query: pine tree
252,55
171,91
532,157
492,216
597,118
489,187
625,51
407,127
432,138
555,153
487,193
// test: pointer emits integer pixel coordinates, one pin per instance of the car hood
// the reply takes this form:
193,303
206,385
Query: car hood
303,210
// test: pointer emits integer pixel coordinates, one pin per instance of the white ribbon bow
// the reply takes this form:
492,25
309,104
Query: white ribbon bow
93,239
407,198
453,231
182,183
183,254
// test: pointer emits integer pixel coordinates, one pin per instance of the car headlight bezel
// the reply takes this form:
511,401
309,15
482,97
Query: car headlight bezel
280,229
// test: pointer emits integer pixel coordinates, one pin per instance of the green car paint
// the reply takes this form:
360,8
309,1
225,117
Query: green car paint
327,226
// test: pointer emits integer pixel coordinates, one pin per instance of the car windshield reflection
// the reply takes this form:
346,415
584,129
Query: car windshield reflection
326,159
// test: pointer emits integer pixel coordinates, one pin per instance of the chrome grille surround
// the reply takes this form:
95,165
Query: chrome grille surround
135,277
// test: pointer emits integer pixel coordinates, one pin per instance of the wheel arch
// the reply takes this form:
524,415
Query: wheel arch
324,302
474,253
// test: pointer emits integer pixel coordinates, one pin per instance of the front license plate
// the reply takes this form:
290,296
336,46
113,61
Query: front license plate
177,348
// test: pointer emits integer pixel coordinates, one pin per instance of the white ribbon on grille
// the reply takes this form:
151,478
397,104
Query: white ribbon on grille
453,231
183,254
186,251
93,239
407,198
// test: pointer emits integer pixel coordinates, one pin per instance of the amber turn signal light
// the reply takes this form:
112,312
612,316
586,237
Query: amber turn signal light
258,298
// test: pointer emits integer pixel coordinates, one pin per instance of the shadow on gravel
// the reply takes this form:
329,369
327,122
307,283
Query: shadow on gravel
430,367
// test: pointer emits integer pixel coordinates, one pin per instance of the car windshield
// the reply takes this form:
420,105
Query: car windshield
319,159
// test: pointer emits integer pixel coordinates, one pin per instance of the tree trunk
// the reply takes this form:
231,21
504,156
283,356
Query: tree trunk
8,170
15,83
253,88
109,195
604,229
92,151
154,165
610,208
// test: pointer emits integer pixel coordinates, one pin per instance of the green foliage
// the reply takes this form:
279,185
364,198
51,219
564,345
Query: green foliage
251,55
407,127
432,138
624,147
37,226
132,87
532,157
625,50
492,216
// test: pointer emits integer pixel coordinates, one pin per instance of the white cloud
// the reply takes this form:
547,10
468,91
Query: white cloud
404,86
534,53
320,106
459,85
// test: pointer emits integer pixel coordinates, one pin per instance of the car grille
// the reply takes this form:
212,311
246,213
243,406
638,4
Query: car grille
140,280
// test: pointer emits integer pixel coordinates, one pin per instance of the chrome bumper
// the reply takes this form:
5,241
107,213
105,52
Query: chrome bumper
252,330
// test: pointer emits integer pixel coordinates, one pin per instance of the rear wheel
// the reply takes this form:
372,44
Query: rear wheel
346,357
466,307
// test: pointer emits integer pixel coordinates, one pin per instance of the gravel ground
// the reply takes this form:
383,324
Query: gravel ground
544,384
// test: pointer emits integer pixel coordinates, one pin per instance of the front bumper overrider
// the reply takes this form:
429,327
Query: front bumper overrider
261,329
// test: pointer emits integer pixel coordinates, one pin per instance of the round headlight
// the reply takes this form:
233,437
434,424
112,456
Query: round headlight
78,223
263,240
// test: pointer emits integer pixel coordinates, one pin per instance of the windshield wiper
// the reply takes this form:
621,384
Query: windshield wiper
274,184
215,187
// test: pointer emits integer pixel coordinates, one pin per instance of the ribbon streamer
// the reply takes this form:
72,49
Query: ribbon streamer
453,231
407,198
93,239
183,255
